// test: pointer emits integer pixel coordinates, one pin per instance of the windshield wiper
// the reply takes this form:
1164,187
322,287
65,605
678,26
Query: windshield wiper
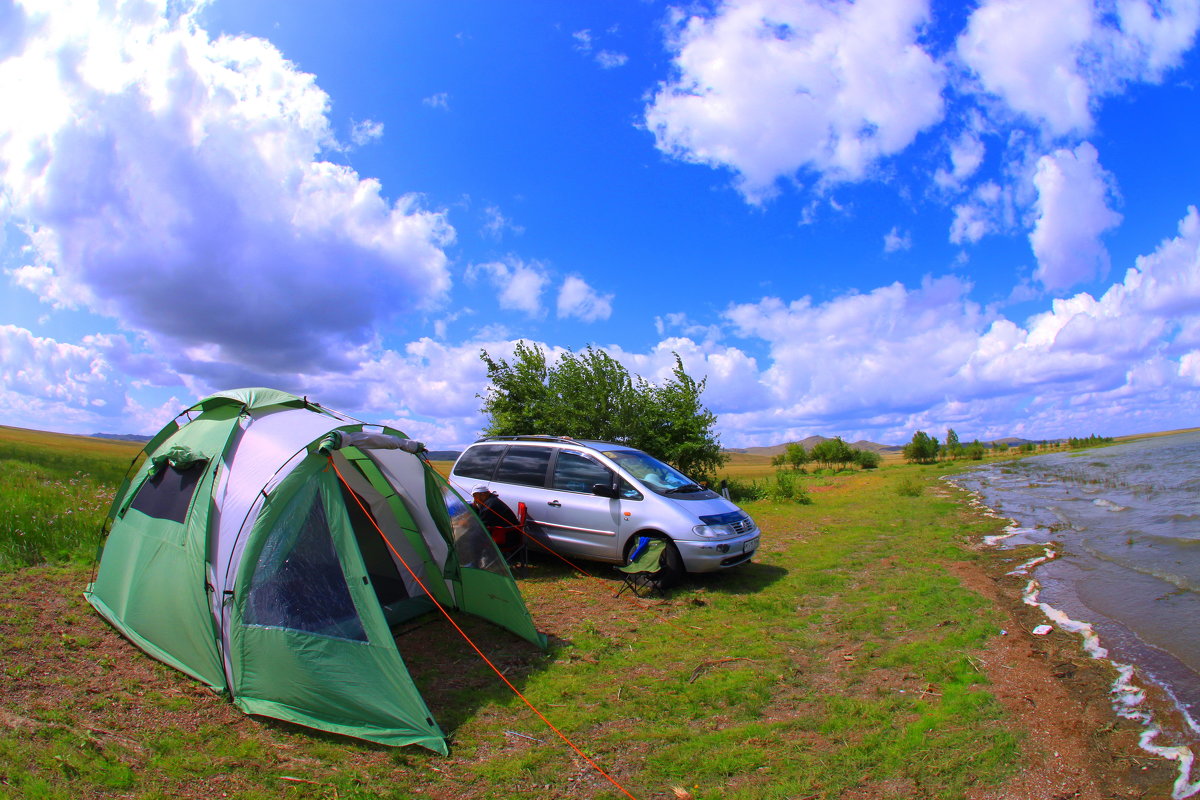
687,487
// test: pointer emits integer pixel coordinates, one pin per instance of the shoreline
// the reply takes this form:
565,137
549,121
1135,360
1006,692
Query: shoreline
1161,727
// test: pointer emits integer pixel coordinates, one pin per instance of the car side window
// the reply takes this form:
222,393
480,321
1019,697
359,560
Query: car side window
525,466
479,462
578,473
626,492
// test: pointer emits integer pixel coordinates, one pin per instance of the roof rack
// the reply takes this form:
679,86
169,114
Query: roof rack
543,437
536,437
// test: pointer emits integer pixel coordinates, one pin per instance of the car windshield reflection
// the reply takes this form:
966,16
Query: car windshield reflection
654,474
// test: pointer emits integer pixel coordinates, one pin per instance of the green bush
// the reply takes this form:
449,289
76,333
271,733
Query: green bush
787,486
741,491
784,486
909,487
867,459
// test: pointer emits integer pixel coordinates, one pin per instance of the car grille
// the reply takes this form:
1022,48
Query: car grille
743,525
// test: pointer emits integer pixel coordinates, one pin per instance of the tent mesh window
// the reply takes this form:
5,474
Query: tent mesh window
298,582
168,492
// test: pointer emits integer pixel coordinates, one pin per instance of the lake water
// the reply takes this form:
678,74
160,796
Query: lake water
1126,521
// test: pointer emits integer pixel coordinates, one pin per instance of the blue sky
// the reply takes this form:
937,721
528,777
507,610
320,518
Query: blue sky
856,219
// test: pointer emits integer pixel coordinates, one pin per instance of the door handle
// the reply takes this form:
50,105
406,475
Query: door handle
554,503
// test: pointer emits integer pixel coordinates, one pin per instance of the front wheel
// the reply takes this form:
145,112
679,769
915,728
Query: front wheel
672,566
671,569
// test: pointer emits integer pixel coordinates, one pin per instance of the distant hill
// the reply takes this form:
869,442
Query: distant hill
443,455
123,437
811,442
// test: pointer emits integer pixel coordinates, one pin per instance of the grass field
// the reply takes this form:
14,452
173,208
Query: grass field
55,491
841,663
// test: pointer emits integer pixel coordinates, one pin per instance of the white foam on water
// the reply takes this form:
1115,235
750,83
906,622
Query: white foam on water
975,501
1127,696
1048,555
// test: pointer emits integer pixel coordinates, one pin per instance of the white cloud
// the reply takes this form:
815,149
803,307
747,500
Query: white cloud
518,285
767,88
895,240
1189,367
1072,212
889,347
496,224
577,299
439,100
1051,61
733,381
970,223
583,40
172,182
877,365
55,385
681,323
365,131
966,156
1157,34
988,210
1027,52
896,359
609,59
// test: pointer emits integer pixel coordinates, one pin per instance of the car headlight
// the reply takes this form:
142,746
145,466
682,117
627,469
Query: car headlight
714,531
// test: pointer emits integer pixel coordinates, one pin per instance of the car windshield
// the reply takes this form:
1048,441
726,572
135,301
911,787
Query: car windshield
655,475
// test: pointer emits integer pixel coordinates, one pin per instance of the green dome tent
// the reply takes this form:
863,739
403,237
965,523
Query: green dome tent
266,546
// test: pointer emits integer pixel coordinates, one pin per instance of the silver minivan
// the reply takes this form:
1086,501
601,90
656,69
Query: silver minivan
594,499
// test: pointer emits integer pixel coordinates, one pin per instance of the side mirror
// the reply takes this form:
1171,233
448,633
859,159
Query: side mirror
604,490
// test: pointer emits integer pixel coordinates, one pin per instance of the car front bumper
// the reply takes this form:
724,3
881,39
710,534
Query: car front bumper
710,555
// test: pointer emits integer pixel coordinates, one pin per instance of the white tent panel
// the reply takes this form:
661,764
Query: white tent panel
268,443
406,473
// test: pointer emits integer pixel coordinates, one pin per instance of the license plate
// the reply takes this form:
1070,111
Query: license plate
750,546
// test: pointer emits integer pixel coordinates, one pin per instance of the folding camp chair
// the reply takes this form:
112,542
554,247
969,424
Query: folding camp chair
644,572
513,540
517,553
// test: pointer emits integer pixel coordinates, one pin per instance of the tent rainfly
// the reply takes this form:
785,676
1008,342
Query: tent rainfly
267,547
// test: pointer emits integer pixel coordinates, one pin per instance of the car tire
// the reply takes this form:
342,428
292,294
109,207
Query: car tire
672,566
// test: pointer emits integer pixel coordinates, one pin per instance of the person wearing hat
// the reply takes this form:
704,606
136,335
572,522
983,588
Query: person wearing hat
495,513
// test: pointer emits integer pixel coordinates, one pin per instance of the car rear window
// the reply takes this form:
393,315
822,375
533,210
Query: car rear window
524,465
479,462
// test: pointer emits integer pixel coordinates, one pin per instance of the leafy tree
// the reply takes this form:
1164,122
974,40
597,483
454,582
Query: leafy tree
833,452
796,456
952,448
1090,441
975,450
867,459
590,395
923,449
